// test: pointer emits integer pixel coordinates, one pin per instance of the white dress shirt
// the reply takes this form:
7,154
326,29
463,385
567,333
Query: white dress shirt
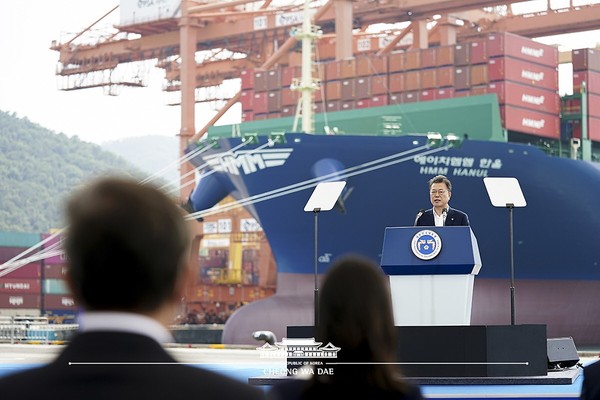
123,322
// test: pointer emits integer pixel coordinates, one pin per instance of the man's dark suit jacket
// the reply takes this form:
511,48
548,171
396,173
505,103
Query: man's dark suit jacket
59,380
454,218
590,390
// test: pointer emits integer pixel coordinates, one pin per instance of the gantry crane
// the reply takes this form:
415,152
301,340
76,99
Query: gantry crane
207,44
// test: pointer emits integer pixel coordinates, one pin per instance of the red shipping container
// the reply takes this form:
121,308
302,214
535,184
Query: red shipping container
53,244
347,68
478,51
60,302
585,59
371,65
479,90
396,83
462,54
347,105
412,80
363,87
363,103
260,116
409,97
247,116
260,81
332,106
513,69
445,93
31,270
318,107
593,128
428,57
290,97
427,95
524,96
479,74
591,79
273,115
8,253
288,74
55,271
259,103
348,89
379,84
30,286
274,79
247,76
428,79
530,121
396,62
593,106
332,71
511,45
333,90
395,98
444,55
444,76
462,93
247,99
377,101
274,101
19,300
462,77
411,59
319,93
288,111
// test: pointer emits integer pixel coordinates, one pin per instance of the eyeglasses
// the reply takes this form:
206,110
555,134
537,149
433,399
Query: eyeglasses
440,192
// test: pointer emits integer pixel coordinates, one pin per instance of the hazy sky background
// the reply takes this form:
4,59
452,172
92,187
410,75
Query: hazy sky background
28,84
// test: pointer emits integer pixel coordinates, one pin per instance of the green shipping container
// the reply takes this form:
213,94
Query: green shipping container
54,286
18,239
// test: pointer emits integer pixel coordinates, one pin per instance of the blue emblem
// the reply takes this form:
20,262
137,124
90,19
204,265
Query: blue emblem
426,244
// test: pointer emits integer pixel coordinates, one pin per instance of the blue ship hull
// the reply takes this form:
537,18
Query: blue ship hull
554,235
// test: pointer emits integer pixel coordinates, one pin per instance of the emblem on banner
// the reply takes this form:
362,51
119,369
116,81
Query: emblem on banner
426,244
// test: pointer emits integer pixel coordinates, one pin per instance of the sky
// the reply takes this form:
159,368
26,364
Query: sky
29,86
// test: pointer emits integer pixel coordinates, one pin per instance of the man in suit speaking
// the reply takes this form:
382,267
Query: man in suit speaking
128,258
440,191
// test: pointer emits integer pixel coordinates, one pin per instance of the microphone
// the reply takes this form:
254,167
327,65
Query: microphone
421,211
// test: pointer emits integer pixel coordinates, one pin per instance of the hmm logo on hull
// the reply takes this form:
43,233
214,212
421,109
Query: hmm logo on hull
248,161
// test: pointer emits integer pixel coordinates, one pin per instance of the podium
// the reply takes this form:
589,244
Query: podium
431,272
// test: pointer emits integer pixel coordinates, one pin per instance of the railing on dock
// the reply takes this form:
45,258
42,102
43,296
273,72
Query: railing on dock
25,329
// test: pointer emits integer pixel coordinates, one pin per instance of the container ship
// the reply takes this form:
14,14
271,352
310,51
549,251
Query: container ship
378,96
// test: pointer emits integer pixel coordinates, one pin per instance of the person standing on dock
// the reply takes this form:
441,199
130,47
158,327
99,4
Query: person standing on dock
440,192
127,248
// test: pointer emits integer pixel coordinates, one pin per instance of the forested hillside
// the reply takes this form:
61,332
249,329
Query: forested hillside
39,168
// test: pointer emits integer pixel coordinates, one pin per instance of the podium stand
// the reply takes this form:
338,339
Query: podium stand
431,271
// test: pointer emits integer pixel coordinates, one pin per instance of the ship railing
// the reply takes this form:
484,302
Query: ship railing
26,329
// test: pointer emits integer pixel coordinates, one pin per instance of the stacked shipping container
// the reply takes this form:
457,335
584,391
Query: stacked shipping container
586,70
521,72
57,302
20,289
35,289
